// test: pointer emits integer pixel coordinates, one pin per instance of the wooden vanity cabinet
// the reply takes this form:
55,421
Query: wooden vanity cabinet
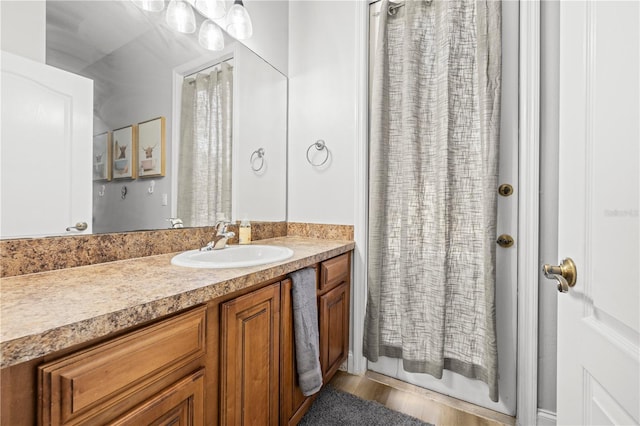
141,373
229,362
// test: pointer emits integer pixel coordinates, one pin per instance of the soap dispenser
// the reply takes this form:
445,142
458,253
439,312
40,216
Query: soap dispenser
245,231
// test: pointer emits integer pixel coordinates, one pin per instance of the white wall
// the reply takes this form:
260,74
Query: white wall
258,87
22,26
270,19
322,105
147,95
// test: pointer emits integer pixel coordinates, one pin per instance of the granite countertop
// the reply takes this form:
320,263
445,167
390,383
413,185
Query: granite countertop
45,312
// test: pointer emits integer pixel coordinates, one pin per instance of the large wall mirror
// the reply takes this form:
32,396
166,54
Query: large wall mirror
139,66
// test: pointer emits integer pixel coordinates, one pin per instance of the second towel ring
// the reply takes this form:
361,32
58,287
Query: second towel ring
319,145
257,154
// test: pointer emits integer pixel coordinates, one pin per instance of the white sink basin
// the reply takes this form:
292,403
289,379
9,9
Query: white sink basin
232,256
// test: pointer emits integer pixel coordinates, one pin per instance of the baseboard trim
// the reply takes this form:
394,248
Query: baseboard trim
546,418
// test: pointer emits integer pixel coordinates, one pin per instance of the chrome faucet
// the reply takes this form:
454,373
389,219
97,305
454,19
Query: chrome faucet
175,222
220,239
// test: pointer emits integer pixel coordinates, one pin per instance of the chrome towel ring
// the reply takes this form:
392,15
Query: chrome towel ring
258,154
319,145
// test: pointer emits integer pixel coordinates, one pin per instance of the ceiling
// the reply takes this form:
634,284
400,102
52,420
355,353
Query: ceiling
80,33
122,48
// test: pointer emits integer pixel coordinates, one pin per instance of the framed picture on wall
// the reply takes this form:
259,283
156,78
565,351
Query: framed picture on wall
151,148
123,141
102,157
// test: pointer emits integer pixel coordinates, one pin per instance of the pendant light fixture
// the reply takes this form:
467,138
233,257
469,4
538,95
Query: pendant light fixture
210,36
180,17
212,9
150,5
239,22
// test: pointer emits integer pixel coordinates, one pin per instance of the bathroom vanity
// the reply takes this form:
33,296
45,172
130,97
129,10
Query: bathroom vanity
142,341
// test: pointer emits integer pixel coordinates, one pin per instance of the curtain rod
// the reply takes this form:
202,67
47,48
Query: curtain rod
392,9
230,58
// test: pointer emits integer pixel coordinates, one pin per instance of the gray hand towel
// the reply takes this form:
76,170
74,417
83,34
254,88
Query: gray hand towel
306,332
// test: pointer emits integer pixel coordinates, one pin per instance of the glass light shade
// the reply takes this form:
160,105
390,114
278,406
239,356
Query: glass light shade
150,5
210,36
212,9
239,22
180,16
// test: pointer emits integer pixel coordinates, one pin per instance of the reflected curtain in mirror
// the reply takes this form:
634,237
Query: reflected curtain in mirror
204,168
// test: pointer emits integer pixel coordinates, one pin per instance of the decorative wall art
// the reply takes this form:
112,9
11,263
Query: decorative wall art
102,157
124,153
151,148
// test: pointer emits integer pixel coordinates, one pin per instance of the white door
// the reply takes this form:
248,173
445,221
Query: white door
599,184
46,148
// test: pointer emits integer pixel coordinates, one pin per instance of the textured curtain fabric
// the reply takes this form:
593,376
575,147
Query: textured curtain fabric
204,169
434,137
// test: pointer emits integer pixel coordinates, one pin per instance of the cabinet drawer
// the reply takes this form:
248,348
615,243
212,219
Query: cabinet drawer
334,271
84,383
181,404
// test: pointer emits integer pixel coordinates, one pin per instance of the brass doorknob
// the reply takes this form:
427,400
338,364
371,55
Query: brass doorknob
566,274
505,240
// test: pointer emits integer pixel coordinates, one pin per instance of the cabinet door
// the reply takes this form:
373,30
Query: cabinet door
250,339
293,404
181,404
334,329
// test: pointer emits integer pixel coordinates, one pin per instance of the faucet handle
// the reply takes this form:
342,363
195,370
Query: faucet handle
208,247
175,222
221,226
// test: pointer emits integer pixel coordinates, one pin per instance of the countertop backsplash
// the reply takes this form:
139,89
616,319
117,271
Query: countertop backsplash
32,255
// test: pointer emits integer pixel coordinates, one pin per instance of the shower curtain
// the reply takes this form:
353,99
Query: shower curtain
204,168
435,117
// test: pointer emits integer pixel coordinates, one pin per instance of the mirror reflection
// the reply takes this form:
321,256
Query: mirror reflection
214,109
204,165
